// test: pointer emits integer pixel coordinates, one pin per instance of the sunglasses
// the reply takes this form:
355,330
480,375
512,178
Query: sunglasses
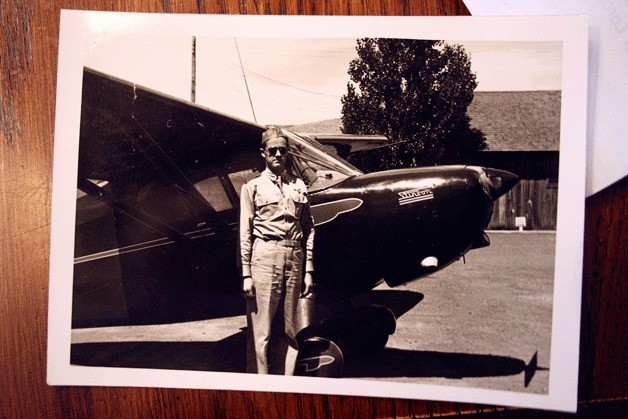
272,151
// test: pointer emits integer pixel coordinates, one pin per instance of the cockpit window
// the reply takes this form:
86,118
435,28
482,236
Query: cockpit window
239,178
212,190
318,169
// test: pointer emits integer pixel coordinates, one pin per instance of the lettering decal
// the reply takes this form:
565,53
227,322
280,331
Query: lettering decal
316,362
415,195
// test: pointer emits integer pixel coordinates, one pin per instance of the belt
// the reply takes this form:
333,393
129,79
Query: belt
285,243
289,243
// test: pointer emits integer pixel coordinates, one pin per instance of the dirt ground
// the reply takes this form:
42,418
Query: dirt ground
477,324
485,323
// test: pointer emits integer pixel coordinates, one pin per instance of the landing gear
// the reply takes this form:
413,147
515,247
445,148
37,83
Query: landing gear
367,331
319,357
326,337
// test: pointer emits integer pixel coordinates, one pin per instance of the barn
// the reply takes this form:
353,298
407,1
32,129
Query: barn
522,130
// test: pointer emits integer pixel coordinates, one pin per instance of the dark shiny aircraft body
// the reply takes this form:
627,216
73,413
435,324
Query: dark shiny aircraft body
157,211
401,218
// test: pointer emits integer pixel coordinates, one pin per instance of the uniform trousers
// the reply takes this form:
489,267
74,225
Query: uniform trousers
276,269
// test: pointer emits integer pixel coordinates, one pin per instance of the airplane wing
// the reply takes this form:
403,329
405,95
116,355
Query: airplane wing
142,142
157,189
348,143
119,118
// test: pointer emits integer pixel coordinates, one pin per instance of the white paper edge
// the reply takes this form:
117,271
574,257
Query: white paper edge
562,394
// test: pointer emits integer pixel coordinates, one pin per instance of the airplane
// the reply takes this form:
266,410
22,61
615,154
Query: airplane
157,211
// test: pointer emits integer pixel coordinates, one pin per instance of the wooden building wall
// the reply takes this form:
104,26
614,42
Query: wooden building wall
535,196
535,199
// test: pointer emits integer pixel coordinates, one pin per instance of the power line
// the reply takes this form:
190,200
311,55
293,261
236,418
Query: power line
288,85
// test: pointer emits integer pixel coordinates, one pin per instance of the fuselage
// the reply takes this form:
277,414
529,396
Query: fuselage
401,225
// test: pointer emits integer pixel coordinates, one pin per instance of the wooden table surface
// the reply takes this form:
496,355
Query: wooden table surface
28,63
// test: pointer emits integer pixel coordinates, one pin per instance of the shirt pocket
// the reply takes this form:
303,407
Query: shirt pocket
267,204
299,199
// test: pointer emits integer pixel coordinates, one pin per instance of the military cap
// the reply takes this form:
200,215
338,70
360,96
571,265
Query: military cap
272,132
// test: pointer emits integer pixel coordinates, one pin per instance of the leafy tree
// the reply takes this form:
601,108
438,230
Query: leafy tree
416,93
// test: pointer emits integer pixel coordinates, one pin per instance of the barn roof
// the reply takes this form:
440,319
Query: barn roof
511,121
517,121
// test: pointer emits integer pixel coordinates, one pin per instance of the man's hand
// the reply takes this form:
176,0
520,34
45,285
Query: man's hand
247,286
308,282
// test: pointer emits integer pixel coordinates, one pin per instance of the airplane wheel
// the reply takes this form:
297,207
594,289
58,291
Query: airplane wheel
369,331
319,357
363,340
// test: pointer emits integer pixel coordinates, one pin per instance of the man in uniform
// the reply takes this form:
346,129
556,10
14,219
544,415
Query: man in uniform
276,244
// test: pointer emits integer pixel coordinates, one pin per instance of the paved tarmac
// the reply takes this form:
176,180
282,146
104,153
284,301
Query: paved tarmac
485,323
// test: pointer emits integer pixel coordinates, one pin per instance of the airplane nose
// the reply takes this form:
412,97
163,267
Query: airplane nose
497,182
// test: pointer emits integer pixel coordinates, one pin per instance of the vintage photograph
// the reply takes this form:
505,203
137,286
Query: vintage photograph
336,208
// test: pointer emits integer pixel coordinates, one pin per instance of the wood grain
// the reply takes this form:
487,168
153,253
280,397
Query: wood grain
27,96
604,322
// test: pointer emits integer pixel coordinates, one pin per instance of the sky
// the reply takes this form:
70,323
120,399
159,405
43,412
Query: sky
292,81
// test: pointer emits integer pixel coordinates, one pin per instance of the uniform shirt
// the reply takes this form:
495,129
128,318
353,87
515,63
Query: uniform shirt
273,209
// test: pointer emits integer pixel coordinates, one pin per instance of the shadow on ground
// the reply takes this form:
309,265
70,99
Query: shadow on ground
228,355
393,362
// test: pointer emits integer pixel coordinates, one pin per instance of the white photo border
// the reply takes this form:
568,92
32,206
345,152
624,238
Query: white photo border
78,26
